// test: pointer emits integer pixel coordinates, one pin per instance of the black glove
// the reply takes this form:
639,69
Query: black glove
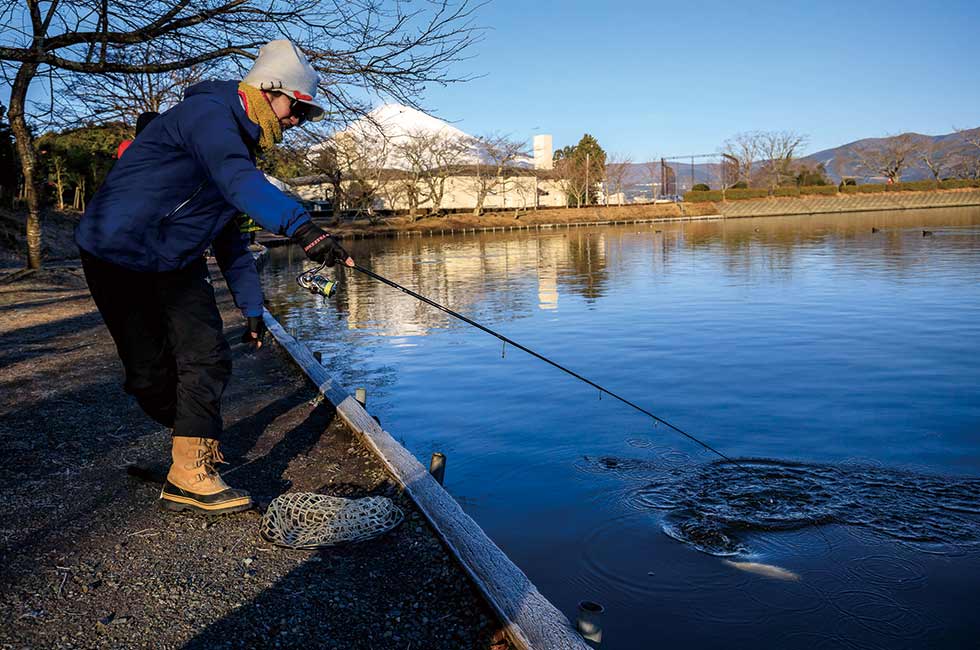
318,245
255,325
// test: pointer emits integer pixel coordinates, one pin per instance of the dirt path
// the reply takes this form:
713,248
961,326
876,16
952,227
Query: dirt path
87,560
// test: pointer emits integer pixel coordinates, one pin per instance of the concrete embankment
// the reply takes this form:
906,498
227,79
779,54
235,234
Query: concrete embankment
842,203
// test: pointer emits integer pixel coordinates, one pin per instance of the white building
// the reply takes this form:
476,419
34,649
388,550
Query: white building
399,159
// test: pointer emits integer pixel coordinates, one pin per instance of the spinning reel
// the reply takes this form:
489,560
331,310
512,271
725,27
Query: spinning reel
316,283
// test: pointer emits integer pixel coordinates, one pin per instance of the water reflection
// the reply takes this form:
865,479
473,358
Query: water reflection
455,274
776,244
458,272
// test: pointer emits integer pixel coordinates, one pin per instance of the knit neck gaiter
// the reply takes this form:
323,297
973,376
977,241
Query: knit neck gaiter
259,111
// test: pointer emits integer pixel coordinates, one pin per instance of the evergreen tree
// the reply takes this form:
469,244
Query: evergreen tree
807,176
582,167
78,159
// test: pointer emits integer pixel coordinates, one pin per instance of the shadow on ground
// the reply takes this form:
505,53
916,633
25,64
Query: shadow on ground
87,560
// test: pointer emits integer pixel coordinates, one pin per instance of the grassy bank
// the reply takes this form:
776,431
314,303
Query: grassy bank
699,196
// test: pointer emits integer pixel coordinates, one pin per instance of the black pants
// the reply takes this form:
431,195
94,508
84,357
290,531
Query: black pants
168,332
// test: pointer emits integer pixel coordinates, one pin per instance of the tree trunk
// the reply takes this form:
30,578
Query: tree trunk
335,181
28,161
59,182
480,197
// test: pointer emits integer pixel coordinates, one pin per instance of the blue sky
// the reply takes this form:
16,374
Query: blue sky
672,78
650,79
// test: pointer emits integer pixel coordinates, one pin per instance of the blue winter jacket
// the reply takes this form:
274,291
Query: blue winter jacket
178,189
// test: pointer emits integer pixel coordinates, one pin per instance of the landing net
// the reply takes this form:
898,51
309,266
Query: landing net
306,520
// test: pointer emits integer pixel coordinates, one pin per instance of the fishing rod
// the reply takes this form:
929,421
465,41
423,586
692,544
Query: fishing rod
313,285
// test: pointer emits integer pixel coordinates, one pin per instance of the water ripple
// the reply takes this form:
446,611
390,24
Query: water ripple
880,613
713,506
886,571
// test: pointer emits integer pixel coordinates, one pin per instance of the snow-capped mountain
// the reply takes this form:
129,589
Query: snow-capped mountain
388,132
398,122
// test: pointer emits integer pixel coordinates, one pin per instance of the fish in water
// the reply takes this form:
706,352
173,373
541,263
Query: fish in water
767,570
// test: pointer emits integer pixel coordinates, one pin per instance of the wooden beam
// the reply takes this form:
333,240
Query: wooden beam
529,619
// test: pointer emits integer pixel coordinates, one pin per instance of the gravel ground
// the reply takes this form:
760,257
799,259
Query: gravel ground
87,560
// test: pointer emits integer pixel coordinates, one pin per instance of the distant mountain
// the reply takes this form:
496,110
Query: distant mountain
838,161
842,160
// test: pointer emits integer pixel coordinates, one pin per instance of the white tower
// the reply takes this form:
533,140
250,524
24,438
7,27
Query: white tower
543,152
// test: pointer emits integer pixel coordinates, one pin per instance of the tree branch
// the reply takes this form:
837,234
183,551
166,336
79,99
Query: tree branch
28,56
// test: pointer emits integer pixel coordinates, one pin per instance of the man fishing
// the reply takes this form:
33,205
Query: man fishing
177,192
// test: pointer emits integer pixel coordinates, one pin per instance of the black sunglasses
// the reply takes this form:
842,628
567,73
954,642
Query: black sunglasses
301,111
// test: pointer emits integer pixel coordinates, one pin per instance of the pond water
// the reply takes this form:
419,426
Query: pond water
838,366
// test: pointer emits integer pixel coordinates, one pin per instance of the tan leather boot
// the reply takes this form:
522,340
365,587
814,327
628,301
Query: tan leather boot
193,482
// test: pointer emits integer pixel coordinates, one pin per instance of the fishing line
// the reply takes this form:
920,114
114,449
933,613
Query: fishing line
514,343
313,280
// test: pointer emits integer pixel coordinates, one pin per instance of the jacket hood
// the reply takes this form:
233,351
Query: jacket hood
227,93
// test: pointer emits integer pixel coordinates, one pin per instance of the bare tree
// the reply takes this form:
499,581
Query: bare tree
393,49
360,165
886,157
743,150
573,178
936,156
970,137
963,165
968,161
449,154
413,156
353,164
842,166
59,179
652,173
391,189
498,153
617,169
123,97
526,193
433,159
777,150
728,171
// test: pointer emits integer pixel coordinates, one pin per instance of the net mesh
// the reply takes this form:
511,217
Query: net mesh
306,520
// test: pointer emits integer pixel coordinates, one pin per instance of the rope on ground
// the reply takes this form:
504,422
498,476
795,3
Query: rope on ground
307,520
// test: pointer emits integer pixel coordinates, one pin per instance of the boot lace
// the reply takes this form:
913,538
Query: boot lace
211,457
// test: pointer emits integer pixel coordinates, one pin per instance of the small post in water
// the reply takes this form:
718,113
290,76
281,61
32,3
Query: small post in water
589,624
360,394
437,466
